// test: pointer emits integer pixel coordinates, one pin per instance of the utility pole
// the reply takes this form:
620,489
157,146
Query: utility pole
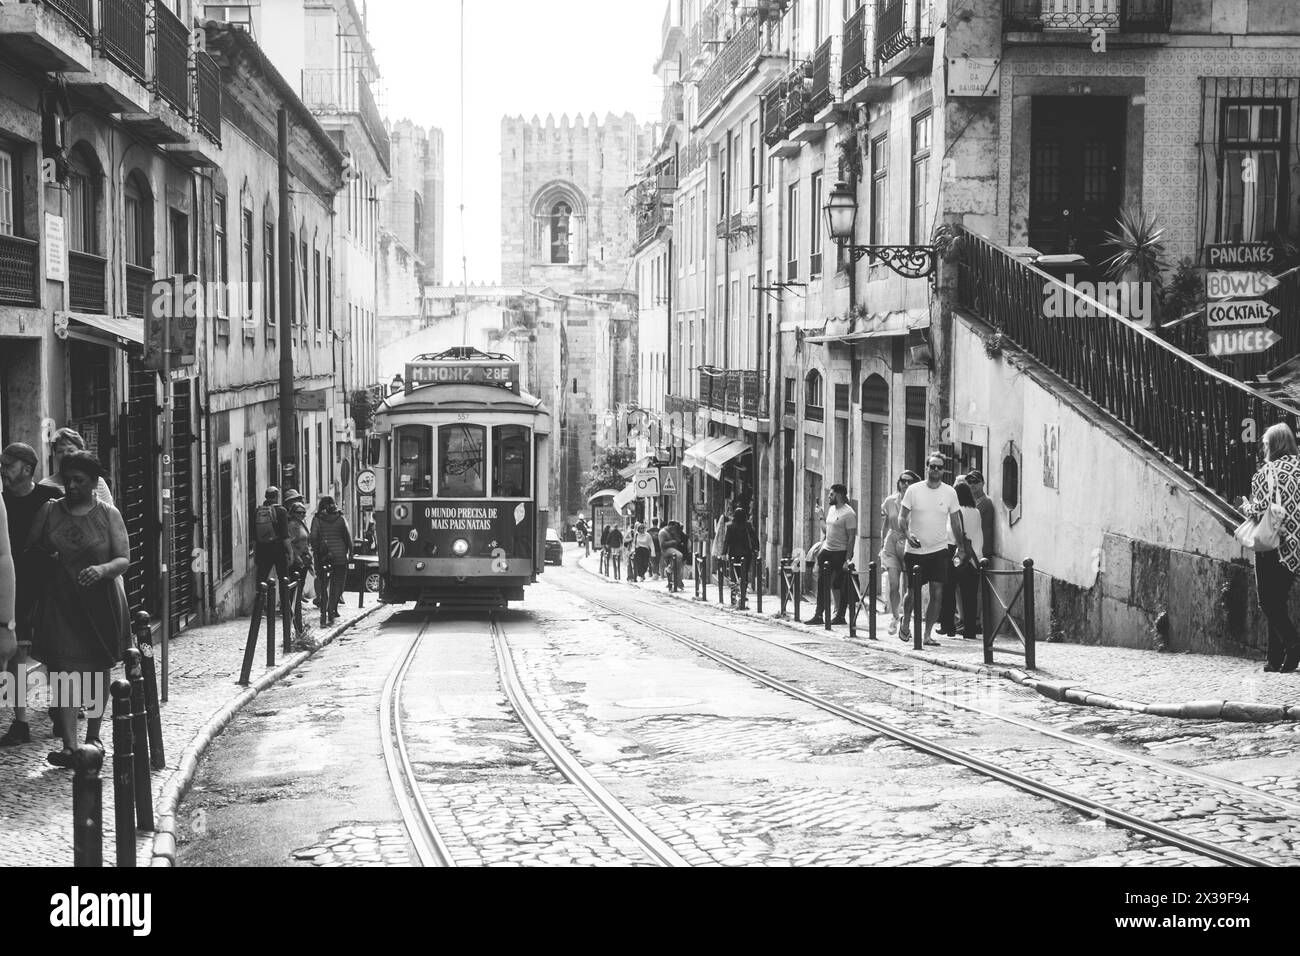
168,471
288,428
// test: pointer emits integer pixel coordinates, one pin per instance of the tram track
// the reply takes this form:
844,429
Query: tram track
431,849
1088,806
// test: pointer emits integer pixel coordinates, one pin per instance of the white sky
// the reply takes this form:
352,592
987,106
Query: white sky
521,57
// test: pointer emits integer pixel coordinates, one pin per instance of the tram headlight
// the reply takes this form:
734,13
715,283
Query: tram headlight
460,547
419,565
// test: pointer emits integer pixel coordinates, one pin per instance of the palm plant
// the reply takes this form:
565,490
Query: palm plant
1139,252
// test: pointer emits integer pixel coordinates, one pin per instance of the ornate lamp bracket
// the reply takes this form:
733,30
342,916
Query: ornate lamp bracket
910,262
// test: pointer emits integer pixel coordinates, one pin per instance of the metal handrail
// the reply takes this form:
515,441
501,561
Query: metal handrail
76,12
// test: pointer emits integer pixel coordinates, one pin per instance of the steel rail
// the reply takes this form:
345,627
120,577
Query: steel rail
428,843
1084,805
568,765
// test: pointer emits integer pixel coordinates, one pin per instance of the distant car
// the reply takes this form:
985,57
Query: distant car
363,574
554,548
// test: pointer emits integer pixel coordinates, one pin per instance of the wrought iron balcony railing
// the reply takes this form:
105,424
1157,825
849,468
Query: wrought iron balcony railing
734,392
855,62
1126,16
798,98
901,24
123,34
76,12
773,113
673,103
19,271
138,281
822,89
171,58
737,57
87,283
207,96
653,210
347,91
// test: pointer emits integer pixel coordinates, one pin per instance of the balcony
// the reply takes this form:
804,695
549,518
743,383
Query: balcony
87,283
904,37
738,57
19,271
733,392
207,97
773,111
1069,21
123,35
50,36
138,281
673,104
347,92
822,90
652,212
171,58
855,65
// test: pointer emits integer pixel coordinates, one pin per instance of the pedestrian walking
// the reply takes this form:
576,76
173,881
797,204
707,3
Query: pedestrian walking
300,558
988,524
82,624
23,499
926,522
655,554
833,551
948,603
968,529
643,549
331,542
892,549
741,546
8,601
1277,482
271,538
584,536
605,557
673,547
66,442
614,544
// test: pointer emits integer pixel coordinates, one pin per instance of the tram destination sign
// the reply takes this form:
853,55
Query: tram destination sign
501,374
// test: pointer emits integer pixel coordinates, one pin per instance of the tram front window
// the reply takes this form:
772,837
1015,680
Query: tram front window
460,461
414,463
510,445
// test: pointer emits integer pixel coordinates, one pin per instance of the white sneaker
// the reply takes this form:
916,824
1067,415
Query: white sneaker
893,626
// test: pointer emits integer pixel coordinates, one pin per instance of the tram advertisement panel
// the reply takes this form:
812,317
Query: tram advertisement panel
473,529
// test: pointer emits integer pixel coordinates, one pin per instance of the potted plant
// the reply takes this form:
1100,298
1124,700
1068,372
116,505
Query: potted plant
1139,257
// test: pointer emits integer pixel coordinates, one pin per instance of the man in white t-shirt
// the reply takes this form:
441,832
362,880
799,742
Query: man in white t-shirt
925,521
832,552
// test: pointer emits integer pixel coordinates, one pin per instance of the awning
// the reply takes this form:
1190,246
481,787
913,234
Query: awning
625,497
103,329
607,493
879,326
695,455
718,458
631,470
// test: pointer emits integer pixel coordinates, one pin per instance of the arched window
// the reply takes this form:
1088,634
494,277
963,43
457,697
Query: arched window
419,224
875,397
813,400
85,200
138,220
561,231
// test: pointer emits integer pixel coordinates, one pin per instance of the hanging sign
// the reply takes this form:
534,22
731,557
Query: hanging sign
1242,255
1238,285
1241,341
1235,314
646,483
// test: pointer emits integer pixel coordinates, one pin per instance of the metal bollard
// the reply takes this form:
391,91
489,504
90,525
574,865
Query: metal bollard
783,586
918,616
1031,635
986,608
798,591
361,589
123,773
297,604
254,626
825,596
271,592
140,743
873,587
855,598
88,808
719,570
286,612
157,757
323,584
758,597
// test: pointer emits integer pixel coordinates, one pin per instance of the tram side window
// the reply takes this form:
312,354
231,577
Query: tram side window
460,461
510,454
414,463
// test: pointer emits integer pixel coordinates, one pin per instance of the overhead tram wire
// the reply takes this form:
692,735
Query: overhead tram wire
464,257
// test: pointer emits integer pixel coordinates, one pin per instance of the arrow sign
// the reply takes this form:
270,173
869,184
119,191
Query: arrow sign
1238,285
646,483
1241,341
1233,314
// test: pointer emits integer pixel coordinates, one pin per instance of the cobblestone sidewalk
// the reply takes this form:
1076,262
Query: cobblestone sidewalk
204,665
1194,686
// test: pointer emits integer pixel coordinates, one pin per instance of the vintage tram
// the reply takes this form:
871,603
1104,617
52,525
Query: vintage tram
461,493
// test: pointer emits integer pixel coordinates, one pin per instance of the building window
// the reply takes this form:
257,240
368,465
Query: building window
83,204
1255,187
250,493
226,499
304,286
246,259
561,232
316,287
791,403
815,231
221,252
237,13
305,471
139,223
418,225
329,293
814,409
754,159
921,179
268,278
7,221
841,398
879,189
792,233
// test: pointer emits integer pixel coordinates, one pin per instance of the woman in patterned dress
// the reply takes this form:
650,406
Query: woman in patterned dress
1275,571
82,623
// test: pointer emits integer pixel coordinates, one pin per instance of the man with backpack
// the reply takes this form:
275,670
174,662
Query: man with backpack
271,538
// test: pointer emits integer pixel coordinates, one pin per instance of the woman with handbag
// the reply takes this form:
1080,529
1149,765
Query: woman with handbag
1272,531
968,532
82,623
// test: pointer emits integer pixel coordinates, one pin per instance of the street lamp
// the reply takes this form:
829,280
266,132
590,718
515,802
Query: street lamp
396,385
910,262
